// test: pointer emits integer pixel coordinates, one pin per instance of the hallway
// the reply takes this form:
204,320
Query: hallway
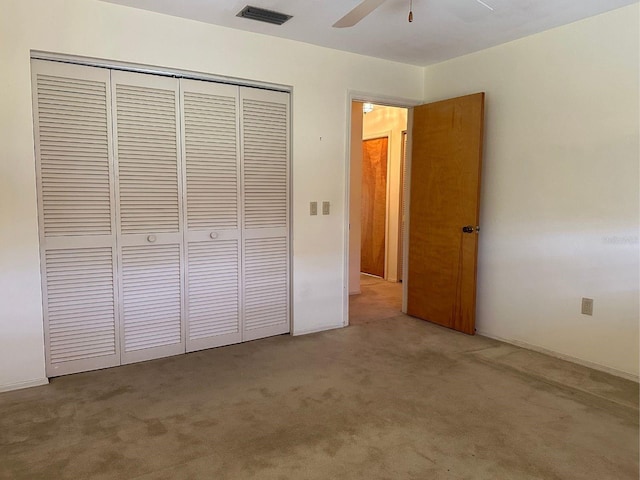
378,300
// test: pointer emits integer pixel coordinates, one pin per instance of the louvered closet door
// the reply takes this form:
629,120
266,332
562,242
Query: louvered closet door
76,221
212,234
265,177
147,154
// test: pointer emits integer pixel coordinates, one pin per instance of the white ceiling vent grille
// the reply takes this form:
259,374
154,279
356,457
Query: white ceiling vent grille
262,15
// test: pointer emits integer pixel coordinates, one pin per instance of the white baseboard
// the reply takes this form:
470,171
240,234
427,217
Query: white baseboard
316,330
562,356
20,385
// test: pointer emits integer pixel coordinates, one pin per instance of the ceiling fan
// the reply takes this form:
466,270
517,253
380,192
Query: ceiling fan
365,7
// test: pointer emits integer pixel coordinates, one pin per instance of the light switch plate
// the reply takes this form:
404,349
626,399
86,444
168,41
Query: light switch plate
326,208
313,208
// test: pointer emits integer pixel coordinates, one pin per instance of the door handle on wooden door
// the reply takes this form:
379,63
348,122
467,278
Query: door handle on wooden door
470,229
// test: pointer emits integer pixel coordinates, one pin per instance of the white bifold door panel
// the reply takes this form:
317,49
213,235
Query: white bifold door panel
163,214
264,124
74,172
212,233
149,195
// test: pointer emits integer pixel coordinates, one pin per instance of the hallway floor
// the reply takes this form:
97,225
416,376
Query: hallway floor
378,299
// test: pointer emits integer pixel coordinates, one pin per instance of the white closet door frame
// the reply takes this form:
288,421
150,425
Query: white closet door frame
253,311
74,243
201,236
151,239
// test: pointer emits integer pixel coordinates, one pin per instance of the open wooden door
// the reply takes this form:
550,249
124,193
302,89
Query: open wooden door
446,163
374,205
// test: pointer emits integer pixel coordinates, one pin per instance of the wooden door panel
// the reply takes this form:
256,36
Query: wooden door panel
374,205
445,191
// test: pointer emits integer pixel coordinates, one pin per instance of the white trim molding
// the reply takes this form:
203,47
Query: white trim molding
562,356
37,382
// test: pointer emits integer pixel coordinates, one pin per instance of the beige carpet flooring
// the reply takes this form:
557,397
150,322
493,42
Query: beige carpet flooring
379,299
391,398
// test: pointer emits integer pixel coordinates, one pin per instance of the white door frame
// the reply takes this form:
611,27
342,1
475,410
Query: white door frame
355,96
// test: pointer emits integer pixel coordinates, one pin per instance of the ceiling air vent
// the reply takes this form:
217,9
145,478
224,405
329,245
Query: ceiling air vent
262,15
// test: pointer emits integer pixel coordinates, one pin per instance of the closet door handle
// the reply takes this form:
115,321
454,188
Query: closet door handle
151,238
213,235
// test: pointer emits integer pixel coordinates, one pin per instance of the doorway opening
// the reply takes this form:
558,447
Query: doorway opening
376,210
439,261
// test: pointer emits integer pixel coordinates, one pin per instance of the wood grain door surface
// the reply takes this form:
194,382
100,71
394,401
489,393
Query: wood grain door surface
374,205
444,197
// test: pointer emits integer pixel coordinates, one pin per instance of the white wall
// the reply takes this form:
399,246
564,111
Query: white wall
559,209
321,79
391,121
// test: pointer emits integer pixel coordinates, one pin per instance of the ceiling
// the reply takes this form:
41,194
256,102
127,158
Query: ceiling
441,29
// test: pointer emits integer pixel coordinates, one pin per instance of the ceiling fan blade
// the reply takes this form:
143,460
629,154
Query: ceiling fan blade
358,13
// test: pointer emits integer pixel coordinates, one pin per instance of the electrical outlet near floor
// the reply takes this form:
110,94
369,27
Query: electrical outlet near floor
587,306
313,208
